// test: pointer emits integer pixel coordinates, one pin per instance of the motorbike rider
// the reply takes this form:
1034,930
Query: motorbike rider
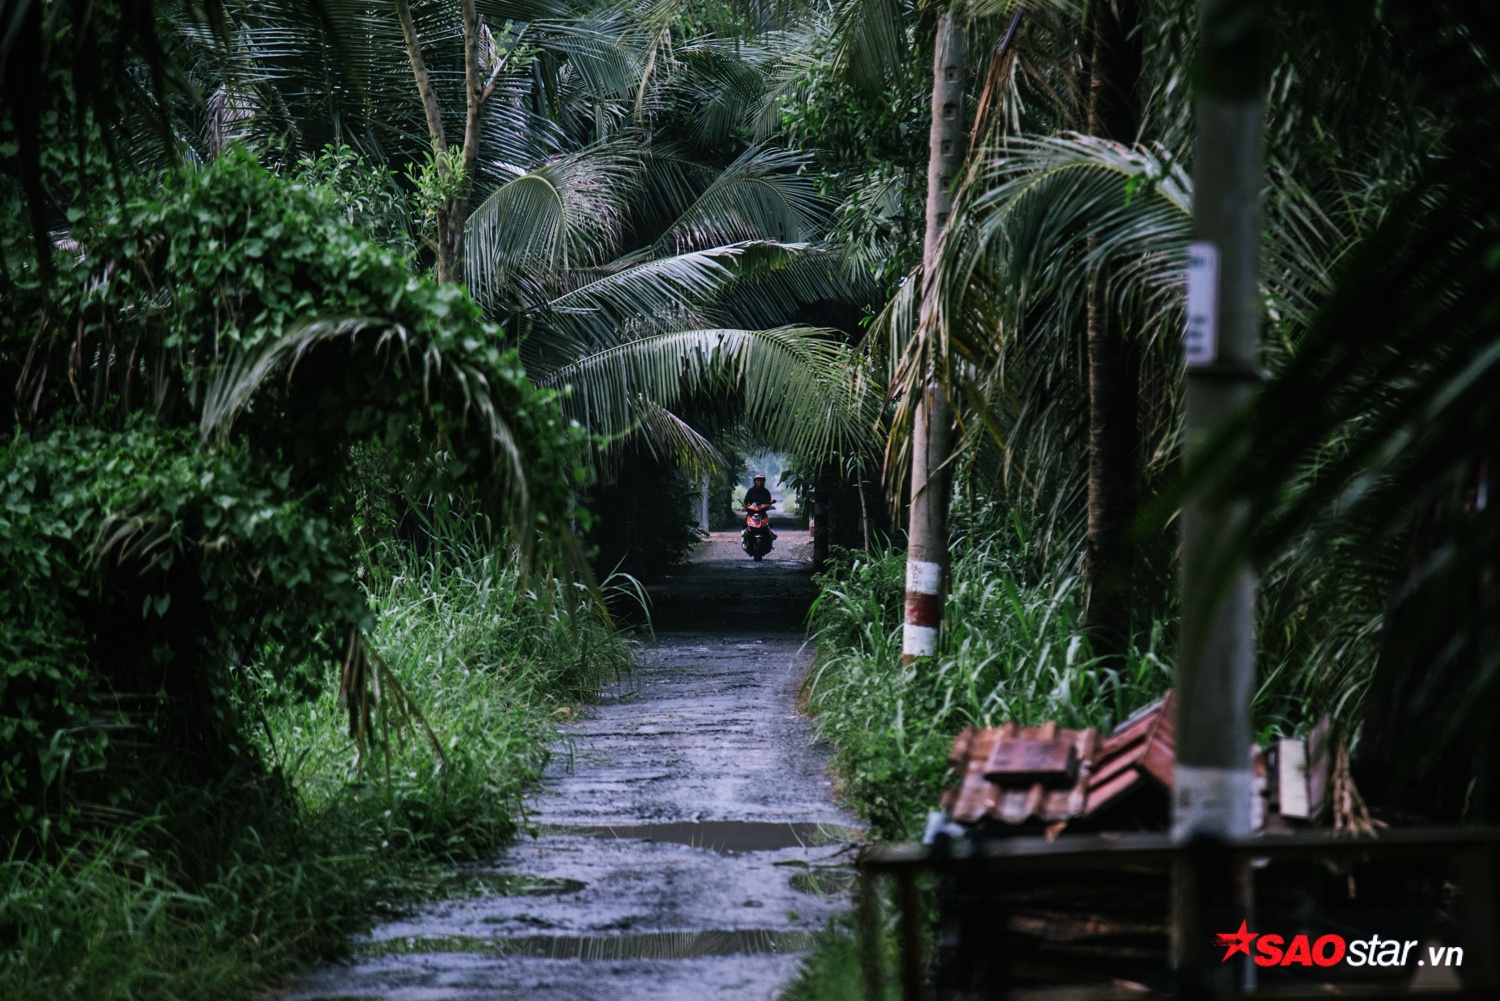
757,494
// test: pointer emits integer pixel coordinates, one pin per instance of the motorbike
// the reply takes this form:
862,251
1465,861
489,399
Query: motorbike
757,537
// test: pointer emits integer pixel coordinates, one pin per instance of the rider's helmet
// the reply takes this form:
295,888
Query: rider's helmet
759,477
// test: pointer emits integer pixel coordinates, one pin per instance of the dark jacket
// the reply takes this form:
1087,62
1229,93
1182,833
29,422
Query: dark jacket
757,495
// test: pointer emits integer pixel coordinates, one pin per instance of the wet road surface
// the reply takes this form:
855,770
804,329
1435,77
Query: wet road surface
688,843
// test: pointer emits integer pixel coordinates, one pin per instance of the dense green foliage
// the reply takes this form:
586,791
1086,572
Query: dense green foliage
1011,649
259,674
144,568
236,881
228,396
159,565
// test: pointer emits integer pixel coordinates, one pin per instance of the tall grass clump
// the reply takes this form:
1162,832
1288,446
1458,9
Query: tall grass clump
226,887
492,661
216,902
1012,649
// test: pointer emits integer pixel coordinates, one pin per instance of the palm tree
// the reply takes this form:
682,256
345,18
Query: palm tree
1114,439
632,330
608,250
216,342
1045,223
932,430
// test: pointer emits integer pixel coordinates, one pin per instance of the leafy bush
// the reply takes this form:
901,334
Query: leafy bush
176,531
188,392
142,569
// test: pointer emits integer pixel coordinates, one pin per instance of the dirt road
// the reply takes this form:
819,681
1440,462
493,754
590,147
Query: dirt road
688,840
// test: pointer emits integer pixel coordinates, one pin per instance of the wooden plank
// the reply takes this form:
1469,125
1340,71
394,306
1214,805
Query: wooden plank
1319,766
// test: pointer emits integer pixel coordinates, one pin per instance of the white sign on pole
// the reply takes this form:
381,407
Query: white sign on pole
1200,337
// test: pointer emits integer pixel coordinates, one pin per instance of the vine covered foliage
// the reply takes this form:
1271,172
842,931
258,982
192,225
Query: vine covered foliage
175,483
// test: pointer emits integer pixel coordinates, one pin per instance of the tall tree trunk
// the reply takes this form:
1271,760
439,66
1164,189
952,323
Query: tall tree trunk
822,516
932,435
1114,446
451,259
454,212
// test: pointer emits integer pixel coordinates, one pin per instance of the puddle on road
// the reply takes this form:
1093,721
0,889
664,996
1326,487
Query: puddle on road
727,837
510,884
645,945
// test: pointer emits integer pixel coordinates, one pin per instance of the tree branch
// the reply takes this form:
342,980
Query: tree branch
424,79
473,88
500,64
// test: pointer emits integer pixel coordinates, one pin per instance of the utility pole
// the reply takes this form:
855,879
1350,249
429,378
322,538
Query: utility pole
1215,659
932,431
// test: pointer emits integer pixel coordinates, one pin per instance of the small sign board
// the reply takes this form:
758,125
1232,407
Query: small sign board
1200,336
1291,779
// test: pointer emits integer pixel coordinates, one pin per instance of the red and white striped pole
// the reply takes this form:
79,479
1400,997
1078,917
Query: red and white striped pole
932,431
924,609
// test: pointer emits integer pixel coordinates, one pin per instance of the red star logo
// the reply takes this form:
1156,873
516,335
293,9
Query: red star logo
1237,941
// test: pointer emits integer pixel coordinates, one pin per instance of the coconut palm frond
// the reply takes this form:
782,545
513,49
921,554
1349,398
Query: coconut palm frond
497,12
592,50
409,373
719,81
786,79
799,387
674,441
772,287
564,215
1004,8
1111,210
760,196
609,304
871,44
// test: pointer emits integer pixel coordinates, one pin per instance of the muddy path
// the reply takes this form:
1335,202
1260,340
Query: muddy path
688,843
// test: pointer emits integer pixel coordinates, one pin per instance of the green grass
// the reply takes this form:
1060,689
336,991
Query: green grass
1011,650
493,664
231,887
834,969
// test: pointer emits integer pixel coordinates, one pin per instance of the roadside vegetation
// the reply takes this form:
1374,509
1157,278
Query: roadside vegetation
271,662
1049,317
229,886
324,378
1012,649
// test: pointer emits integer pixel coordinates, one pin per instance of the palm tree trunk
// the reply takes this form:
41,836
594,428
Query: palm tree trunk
454,212
932,435
822,516
1114,438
